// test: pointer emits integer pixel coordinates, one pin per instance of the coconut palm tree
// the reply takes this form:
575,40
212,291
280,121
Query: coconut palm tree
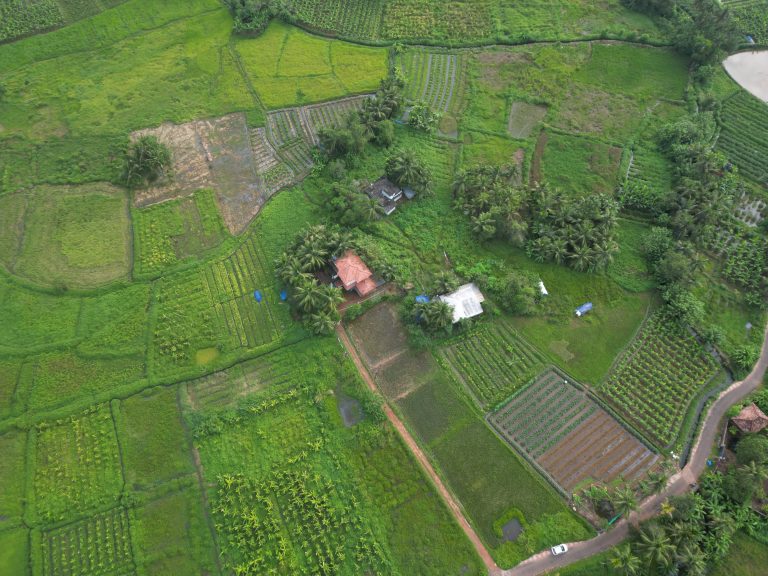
322,322
757,473
484,226
623,500
624,561
436,315
309,295
655,547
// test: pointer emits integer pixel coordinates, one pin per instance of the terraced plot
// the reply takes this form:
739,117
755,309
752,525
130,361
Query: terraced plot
494,362
559,426
656,379
434,78
745,123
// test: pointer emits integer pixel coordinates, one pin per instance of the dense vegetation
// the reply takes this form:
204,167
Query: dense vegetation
176,175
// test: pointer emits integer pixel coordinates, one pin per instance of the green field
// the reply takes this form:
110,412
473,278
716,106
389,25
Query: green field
165,406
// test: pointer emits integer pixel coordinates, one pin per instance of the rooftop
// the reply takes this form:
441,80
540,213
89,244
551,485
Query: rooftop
351,270
751,419
465,302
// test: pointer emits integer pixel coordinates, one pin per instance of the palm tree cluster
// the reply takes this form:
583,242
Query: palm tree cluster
487,195
435,316
405,169
693,532
579,232
308,253
371,123
350,207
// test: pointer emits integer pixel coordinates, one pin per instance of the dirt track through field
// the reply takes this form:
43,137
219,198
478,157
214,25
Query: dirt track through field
447,497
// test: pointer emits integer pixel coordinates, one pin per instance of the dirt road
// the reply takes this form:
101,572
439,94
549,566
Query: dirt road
453,505
544,562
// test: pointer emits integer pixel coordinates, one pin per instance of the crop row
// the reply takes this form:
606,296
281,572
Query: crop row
494,362
77,464
96,546
332,114
20,17
297,523
351,18
536,420
745,120
449,20
432,77
656,378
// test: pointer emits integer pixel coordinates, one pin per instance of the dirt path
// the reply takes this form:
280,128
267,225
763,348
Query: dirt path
447,497
677,484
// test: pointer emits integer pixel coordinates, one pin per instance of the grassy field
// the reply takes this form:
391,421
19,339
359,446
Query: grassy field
474,461
157,419
70,237
746,557
287,66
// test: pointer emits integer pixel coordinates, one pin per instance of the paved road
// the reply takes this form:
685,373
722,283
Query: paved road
678,484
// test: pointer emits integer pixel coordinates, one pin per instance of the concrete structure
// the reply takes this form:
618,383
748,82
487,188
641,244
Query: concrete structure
465,302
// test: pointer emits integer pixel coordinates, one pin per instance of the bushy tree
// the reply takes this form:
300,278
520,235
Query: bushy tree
253,16
435,316
752,448
517,292
145,161
351,207
422,117
406,169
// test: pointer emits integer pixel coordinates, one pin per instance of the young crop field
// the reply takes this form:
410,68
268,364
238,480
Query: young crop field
494,362
435,78
175,231
360,19
68,237
13,447
554,422
289,67
77,465
97,545
751,16
744,119
451,21
655,380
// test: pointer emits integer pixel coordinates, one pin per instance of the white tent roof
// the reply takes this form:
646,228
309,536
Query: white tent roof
465,302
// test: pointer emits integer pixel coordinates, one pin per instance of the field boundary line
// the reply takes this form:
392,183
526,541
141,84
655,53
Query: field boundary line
419,455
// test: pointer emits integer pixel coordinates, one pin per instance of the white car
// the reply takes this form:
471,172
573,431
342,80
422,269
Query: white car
559,549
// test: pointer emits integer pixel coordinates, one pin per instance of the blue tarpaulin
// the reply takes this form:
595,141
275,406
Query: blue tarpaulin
583,309
283,295
422,298
257,295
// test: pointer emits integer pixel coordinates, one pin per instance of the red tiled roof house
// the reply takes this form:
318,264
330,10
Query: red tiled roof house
354,274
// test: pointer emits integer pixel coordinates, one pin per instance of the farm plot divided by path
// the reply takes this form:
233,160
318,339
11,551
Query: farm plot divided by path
494,362
656,379
556,424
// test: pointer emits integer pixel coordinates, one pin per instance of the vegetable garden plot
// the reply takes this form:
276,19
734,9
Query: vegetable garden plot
435,78
97,546
742,138
650,168
225,388
751,16
19,17
654,381
77,465
349,18
568,434
446,20
271,523
494,362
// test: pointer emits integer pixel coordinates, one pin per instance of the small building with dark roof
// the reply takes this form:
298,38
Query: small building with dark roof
386,193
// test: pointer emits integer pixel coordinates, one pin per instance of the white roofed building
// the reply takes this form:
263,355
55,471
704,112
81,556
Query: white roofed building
465,302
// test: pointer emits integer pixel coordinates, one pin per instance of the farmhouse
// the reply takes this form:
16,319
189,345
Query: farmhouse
353,274
465,302
388,194
751,419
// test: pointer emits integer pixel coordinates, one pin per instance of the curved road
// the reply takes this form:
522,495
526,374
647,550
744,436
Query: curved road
544,562
677,484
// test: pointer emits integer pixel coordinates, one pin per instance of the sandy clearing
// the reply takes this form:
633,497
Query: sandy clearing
750,71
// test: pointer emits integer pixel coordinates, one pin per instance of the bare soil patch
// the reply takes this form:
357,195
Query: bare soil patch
379,334
523,118
214,153
750,71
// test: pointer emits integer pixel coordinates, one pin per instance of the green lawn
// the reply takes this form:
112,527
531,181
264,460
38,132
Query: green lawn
14,551
747,557
288,66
